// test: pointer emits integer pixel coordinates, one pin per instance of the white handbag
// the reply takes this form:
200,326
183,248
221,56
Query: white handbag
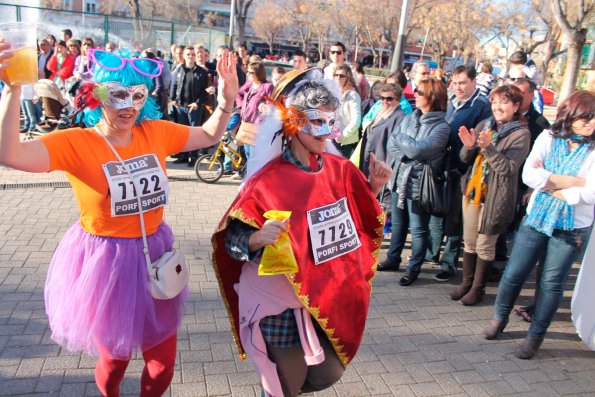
169,274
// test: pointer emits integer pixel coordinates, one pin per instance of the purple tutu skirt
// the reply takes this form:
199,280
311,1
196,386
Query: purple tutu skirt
97,292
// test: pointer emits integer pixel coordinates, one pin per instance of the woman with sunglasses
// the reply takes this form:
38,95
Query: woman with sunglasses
349,113
494,158
561,171
97,294
74,49
251,96
421,138
61,64
85,68
303,324
375,136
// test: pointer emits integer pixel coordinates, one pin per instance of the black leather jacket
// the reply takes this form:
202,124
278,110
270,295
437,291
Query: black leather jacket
200,83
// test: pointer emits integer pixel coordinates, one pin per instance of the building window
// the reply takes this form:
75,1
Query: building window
90,6
67,4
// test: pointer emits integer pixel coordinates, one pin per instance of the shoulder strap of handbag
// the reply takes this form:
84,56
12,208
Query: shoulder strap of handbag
140,208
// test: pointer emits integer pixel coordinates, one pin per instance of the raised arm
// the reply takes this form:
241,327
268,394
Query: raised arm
212,130
30,155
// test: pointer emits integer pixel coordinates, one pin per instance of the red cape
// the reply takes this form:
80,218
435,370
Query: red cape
335,292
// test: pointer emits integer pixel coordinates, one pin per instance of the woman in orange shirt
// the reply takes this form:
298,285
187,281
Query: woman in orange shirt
97,294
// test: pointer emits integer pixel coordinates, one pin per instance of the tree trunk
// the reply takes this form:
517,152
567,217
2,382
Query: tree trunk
547,57
576,42
271,44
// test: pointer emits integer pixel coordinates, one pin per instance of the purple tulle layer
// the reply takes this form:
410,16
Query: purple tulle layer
97,292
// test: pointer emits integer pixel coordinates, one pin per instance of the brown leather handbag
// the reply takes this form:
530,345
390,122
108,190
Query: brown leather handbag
247,133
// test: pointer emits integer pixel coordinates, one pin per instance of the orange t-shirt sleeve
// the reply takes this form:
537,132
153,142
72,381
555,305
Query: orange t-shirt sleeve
63,150
172,136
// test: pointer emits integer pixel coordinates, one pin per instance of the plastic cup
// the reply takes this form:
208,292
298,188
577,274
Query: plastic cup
22,37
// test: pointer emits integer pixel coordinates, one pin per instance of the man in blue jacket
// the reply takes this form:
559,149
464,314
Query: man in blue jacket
466,107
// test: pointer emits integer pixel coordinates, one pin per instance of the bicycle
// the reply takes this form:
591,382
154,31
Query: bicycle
209,167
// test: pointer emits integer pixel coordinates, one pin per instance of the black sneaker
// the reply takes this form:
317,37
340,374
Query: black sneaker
387,266
407,279
443,276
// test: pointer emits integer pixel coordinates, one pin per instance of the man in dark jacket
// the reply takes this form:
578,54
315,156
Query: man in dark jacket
466,107
188,95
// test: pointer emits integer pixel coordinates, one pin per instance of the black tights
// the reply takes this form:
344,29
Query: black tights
296,377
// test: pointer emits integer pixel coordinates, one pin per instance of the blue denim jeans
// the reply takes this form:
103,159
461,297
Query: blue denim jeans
436,235
31,113
452,248
248,149
559,251
417,220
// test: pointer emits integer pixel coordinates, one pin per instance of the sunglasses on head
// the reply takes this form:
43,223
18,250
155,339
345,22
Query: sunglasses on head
111,61
336,52
339,75
387,98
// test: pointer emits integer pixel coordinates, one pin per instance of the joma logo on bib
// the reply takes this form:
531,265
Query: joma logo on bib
132,165
329,213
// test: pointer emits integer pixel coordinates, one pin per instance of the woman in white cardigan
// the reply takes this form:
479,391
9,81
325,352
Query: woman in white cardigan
349,113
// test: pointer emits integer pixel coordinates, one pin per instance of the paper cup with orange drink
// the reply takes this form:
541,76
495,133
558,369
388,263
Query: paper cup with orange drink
22,37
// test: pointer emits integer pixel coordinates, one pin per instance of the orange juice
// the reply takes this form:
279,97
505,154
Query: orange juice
23,67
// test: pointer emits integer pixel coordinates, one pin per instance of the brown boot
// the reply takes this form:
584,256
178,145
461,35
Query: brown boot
529,347
475,294
468,272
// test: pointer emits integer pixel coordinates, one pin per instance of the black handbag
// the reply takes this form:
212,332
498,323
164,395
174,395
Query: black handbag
435,195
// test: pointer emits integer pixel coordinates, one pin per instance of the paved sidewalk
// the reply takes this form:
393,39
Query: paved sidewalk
417,343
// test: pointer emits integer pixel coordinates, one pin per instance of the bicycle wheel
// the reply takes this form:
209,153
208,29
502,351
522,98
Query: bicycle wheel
207,169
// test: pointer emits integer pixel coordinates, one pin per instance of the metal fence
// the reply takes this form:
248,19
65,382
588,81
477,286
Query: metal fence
126,32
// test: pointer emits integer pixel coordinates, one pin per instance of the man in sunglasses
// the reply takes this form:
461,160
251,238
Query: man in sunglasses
337,56
188,96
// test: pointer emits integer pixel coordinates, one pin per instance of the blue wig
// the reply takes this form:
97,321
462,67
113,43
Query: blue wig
126,76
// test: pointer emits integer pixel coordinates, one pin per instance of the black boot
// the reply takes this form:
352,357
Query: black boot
468,272
475,294
529,347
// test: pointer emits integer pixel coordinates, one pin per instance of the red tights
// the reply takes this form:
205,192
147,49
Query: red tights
157,374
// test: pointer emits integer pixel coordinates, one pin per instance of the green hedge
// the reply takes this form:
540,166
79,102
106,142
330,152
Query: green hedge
376,72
